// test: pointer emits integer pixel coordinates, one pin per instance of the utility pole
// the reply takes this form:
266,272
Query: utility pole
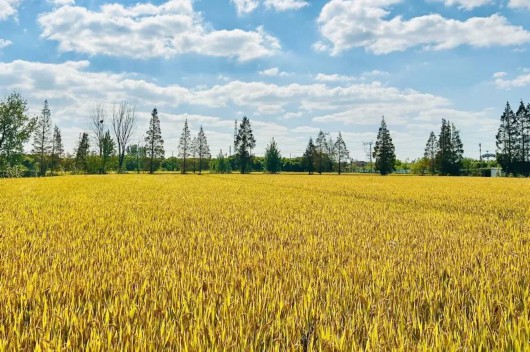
480,151
235,136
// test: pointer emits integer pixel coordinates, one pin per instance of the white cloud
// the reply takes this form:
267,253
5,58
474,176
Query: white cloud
4,43
322,77
517,82
292,115
274,72
73,89
523,4
61,2
347,24
8,8
465,4
247,6
285,5
170,29
499,74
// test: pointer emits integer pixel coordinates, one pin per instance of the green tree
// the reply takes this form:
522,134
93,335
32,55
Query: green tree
154,142
341,152
185,145
384,152
421,166
450,151
57,149
221,165
16,128
507,140
273,158
321,145
82,153
522,116
202,148
42,139
310,154
430,152
244,144
108,147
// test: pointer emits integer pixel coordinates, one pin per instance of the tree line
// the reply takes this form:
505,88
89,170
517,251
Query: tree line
109,145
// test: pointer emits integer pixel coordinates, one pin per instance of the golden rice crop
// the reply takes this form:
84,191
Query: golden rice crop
256,262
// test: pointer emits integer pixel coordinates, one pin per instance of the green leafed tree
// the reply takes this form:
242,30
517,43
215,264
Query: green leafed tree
16,128
244,144
384,151
42,138
341,152
220,165
507,140
153,141
82,153
185,145
430,152
108,148
310,155
202,148
321,145
57,149
273,158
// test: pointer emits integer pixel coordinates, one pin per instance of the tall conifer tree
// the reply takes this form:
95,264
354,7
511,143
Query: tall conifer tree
153,141
384,151
185,145
507,140
341,152
244,144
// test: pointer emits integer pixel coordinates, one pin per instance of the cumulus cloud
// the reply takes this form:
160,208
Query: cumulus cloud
322,77
247,6
522,80
73,89
274,72
347,24
285,5
523,4
8,8
146,30
4,43
61,2
466,4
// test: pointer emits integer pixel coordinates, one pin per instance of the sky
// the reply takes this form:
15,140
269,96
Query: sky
294,67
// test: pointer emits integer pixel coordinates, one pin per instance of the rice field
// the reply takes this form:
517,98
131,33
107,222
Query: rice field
264,263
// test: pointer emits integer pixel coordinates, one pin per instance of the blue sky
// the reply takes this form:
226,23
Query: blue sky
292,66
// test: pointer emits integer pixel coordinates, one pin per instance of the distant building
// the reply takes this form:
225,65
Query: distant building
496,172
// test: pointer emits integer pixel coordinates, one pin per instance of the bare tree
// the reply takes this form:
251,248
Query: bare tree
97,120
123,125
